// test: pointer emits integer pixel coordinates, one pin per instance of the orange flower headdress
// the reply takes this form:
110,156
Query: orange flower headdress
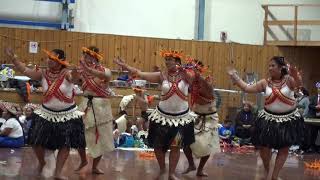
171,53
194,63
56,58
98,56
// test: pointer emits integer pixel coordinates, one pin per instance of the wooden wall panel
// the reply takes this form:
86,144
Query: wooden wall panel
143,53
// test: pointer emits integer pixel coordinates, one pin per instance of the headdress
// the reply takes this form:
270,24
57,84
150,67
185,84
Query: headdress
92,53
56,58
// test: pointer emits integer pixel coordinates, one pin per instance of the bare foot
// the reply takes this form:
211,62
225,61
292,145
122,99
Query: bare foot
161,175
82,165
190,168
40,167
60,177
276,178
97,171
202,174
173,177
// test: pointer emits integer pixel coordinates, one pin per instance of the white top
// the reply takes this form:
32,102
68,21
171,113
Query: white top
67,88
15,126
279,106
174,104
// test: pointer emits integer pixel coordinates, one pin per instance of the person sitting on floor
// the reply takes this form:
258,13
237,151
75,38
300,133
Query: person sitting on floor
226,132
244,121
11,133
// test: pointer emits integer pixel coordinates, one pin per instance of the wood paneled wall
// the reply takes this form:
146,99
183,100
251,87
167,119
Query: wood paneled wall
142,53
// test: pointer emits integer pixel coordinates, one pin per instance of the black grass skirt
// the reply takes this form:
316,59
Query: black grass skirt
278,130
66,129
162,136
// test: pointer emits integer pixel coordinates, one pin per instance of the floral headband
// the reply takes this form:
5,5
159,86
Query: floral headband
171,53
91,53
194,63
56,58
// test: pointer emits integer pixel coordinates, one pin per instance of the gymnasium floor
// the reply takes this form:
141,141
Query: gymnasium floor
128,165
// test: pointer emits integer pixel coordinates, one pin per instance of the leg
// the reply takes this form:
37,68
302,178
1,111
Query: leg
203,161
280,160
61,159
83,157
266,154
95,169
188,152
173,161
40,152
161,159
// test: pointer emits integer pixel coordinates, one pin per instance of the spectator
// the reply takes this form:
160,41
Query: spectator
311,131
244,122
11,133
227,132
303,101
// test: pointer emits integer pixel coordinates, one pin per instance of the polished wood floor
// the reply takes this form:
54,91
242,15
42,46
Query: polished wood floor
128,165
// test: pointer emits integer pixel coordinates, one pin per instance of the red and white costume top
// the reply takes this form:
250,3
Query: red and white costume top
279,98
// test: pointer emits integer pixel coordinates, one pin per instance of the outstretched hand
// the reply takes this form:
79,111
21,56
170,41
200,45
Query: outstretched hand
119,62
10,52
293,71
231,70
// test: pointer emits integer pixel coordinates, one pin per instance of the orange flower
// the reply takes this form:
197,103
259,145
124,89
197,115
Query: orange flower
56,58
92,53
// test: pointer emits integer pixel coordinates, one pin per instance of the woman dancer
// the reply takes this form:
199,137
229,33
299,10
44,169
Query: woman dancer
206,125
279,125
97,107
171,125
57,123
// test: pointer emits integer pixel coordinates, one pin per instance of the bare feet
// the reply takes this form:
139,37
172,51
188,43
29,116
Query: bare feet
190,168
173,177
60,177
276,178
82,165
161,175
97,171
202,174
40,167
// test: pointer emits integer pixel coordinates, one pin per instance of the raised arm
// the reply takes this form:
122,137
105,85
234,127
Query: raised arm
21,67
106,75
295,80
254,88
154,77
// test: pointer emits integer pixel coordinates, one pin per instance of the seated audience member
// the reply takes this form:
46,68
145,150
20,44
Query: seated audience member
244,121
311,130
303,101
226,132
28,109
11,133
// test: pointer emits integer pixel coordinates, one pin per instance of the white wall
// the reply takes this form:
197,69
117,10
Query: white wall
148,18
241,19
30,10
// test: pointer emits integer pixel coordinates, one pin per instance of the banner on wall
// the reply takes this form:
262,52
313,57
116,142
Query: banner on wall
33,47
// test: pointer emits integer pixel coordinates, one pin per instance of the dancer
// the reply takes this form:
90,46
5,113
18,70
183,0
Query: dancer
97,107
279,125
206,125
171,125
57,123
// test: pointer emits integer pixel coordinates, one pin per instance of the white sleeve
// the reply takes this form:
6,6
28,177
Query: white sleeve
107,72
11,123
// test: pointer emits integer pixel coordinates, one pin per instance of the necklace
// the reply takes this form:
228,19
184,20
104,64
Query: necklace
52,75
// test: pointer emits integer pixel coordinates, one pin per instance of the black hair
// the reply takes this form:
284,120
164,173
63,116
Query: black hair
94,48
280,61
305,91
60,53
177,60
